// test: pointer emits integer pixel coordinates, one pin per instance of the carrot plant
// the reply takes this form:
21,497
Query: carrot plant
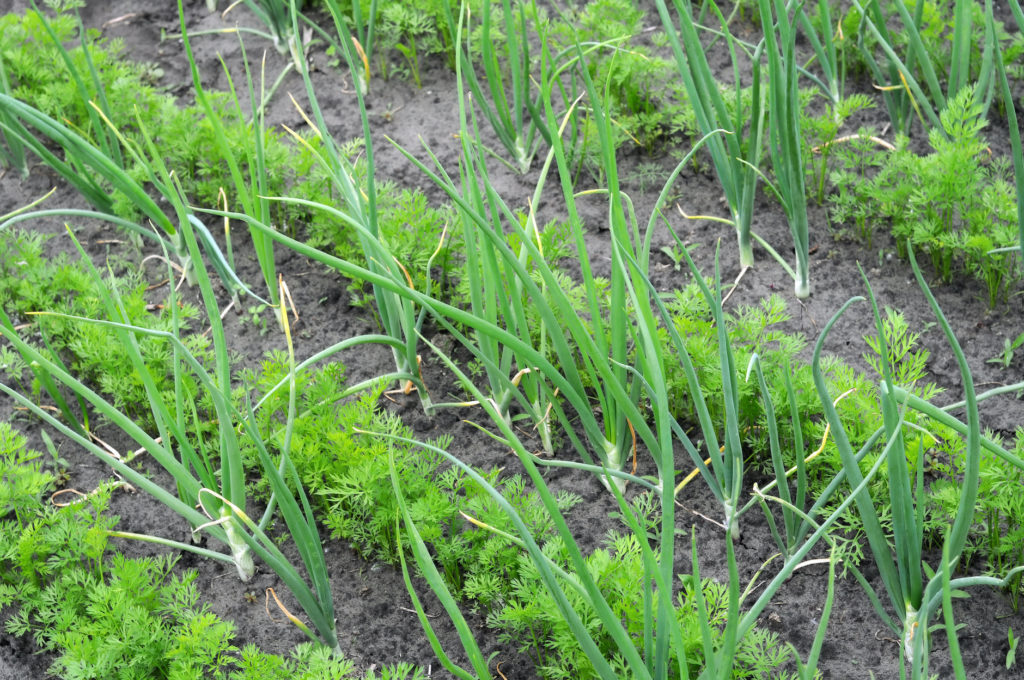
646,103
103,614
210,491
951,203
413,29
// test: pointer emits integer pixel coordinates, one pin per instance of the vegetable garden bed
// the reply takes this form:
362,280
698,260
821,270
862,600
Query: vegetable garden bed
606,383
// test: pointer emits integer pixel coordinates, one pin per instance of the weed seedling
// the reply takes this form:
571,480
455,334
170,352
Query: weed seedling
675,253
254,315
1005,357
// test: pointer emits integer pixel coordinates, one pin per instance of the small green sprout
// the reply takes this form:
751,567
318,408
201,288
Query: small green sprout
1005,357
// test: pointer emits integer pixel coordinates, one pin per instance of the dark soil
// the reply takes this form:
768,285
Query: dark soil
375,620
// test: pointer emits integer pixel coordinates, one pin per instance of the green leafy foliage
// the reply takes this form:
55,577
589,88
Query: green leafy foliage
998,534
759,330
1010,347
107,616
416,233
39,76
349,472
856,163
908,360
413,30
185,136
32,280
955,204
530,617
22,479
821,135
646,102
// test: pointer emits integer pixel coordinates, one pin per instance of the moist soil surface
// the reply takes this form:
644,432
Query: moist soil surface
376,622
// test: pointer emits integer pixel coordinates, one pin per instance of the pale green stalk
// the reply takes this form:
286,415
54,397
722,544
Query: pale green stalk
785,138
249,193
514,113
899,80
495,293
12,150
737,171
398,316
279,16
913,601
833,72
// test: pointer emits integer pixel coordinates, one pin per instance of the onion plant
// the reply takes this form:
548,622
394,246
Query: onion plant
12,149
209,477
279,16
784,134
93,91
823,43
365,29
498,276
735,156
511,108
797,518
593,353
660,646
398,315
913,597
252,193
898,77
496,291
86,168
659,652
